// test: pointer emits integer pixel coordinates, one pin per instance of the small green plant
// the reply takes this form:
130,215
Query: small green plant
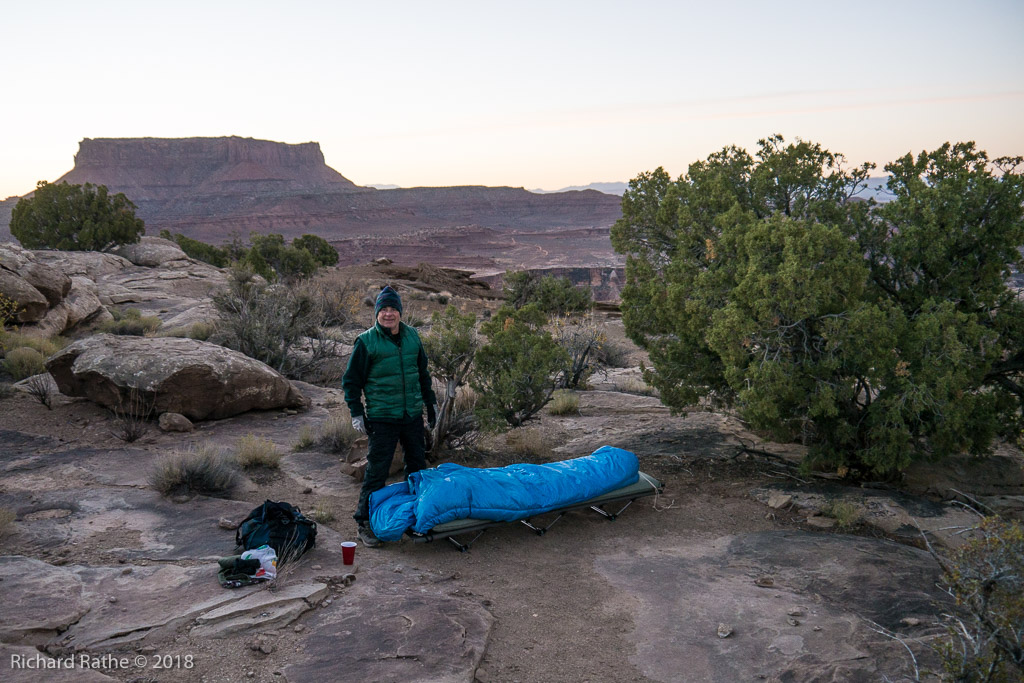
336,434
564,402
253,451
307,437
24,362
8,310
6,390
202,471
131,322
846,514
322,513
7,517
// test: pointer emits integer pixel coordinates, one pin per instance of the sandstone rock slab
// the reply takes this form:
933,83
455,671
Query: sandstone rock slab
260,610
835,582
199,380
403,637
48,599
130,604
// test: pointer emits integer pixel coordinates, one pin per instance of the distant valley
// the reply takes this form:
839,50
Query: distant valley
215,188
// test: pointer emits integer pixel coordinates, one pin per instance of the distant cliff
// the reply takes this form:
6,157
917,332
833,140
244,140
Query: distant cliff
161,169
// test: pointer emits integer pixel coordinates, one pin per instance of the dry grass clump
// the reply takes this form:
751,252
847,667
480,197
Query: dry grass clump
564,402
24,362
253,451
633,385
322,512
203,471
7,517
845,513
465,399
528,444
130,321
336,434
613,354
307,437
15,340
199,330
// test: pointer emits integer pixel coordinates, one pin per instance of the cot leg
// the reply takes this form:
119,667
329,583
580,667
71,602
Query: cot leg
464,547
611,516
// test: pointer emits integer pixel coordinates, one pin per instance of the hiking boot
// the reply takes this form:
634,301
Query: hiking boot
367,536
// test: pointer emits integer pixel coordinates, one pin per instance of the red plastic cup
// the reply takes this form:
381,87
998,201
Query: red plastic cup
348,552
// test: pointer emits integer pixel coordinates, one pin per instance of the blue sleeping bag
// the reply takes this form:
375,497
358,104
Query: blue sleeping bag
503,494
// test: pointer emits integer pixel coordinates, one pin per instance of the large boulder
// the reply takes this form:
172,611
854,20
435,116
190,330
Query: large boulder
50,282
151,252
197,379
32,305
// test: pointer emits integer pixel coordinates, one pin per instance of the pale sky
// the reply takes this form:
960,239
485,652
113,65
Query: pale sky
526,94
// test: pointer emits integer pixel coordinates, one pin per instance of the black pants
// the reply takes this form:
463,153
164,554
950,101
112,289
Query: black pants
384,436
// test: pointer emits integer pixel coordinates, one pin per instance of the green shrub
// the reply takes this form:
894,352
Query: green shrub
75,218
321,250
564,403
24,362
201,251
280,325
131,322
253,451
878,333
203,471
451,346
517,370
553,295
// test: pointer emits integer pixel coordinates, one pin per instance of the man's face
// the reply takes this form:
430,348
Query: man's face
389,317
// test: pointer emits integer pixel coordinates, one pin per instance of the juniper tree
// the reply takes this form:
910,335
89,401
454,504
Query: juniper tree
877,334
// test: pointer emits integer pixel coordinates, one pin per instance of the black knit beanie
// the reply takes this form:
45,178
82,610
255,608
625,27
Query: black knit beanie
388,297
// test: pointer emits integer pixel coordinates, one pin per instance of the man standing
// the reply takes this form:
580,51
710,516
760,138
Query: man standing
389,367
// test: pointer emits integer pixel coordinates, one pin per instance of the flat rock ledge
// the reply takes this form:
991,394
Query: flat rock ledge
406,637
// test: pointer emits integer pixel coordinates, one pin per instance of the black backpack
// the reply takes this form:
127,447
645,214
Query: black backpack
281,526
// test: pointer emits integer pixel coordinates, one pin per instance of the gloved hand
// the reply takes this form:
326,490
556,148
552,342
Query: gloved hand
432,416
359,424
